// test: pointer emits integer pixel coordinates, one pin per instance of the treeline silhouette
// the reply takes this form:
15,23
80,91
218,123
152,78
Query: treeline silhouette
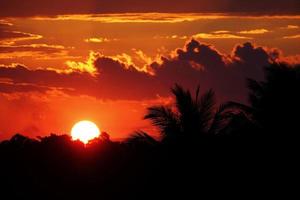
205,149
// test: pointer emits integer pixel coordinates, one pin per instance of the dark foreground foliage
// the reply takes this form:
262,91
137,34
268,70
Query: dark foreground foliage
231,150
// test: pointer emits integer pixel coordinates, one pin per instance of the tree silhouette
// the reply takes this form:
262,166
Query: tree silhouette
56,167
274,103
190,117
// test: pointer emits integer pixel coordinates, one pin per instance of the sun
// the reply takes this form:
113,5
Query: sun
85,131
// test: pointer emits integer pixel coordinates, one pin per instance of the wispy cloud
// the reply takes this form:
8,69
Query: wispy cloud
97,40
183,37
221,32
11,37
255,31
157,17
292,37
5,23
35,52
219,36
32,47
291,27
136,17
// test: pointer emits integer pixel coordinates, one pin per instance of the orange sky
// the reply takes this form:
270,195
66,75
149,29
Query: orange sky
108,68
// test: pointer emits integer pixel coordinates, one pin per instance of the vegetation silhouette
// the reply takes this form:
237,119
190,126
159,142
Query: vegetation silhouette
274,103
190,118
204,149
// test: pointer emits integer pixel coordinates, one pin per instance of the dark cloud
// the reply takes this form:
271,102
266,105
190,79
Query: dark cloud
113,81
15,88
251,55
194,64
249,59
57,7
4,34
47,78
116,81
43,48
226,74
202,54
11,36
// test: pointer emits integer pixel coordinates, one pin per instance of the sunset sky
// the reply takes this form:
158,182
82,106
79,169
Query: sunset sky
62,61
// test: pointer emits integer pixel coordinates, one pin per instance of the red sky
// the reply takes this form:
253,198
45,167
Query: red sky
107,61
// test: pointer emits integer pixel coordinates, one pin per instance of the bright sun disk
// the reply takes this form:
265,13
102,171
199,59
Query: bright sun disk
85,131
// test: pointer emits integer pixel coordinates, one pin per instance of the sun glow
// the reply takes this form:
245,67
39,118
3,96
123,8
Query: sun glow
85,131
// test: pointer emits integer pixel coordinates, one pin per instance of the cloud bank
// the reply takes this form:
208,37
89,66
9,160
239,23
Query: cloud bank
105,77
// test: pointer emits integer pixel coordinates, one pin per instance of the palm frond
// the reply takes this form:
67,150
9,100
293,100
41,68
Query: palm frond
141,137
221,118
206,108
239,107
163,118
184,100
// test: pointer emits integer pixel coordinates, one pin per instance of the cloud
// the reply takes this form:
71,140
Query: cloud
292,37
120,77
35,51
250,54
202,63
114,80
37,55
10,8
118,80
48,79
134,17
156,17
5,23
202,54
221,32
11,37
138,60
18,44
220,36
31,47
87,66
194,63
291,27
13,44
17,88
255,31
96,40
184,37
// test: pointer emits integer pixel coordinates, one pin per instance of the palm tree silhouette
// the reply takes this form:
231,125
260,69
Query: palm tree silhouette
190,117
